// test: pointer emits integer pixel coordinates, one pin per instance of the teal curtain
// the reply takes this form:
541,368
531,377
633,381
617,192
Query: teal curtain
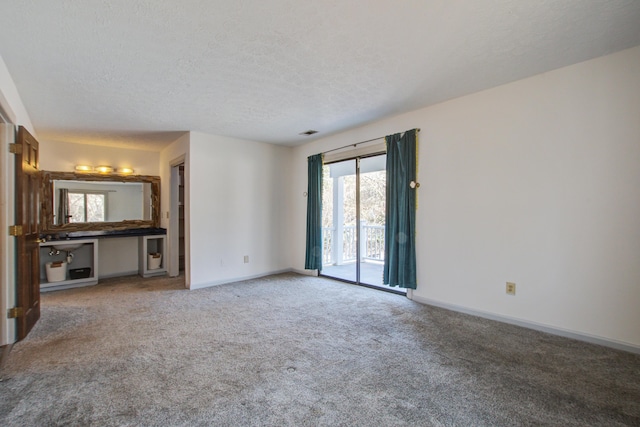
400,226
313,255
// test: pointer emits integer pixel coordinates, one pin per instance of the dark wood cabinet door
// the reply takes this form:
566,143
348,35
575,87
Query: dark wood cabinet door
27,198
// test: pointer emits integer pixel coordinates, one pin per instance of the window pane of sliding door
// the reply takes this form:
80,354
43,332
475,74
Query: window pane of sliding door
372,218
339,230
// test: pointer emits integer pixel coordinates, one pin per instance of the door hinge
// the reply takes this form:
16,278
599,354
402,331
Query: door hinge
15,312
15,148
15,230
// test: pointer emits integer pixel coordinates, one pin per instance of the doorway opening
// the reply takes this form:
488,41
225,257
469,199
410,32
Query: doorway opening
181,217
353,221
178,227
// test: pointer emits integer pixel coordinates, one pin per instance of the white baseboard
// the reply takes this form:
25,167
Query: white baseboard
120,274
305,272
237,279
593,339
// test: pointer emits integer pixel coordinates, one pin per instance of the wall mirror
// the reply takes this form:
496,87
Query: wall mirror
99,202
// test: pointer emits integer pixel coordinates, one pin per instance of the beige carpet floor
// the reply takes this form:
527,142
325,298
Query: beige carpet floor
296,350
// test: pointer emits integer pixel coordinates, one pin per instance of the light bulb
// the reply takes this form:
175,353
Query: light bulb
104,169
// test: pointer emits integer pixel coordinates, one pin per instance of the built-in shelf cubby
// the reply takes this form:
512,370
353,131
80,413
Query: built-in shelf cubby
152,259
68,264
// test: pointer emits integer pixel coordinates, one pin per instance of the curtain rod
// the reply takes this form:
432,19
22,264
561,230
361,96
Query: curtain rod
358,143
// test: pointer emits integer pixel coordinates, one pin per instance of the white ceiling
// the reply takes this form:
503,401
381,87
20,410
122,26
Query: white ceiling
136,73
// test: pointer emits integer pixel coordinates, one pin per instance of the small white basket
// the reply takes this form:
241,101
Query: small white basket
154,261
56,271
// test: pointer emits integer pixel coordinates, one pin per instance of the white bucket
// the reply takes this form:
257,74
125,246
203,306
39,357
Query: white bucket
56,273
155,259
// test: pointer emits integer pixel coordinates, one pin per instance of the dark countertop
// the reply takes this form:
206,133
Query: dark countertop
75,235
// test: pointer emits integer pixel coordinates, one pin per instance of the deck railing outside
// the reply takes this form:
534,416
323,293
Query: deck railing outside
371,249
327,245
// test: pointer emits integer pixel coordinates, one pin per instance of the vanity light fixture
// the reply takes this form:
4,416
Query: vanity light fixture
104,169
124,171
84,168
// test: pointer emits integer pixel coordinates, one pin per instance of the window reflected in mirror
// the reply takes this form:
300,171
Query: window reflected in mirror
84,206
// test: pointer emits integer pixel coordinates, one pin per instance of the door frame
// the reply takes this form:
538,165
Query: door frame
7,245
174,232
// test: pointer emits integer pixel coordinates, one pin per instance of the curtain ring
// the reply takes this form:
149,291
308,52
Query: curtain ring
414,184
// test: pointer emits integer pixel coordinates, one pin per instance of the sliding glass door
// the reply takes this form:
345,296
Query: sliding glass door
353,219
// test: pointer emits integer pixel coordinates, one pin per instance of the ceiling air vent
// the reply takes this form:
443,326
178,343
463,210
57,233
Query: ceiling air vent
309,132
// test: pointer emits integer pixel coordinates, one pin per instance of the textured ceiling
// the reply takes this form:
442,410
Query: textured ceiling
135,73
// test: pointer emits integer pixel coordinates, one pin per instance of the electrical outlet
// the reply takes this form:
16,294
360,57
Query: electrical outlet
246,259
511,288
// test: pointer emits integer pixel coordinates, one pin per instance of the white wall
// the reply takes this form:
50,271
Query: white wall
64,156
10,100
535,182
240,193
117,256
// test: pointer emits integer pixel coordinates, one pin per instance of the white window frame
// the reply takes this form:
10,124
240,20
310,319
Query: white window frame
84,194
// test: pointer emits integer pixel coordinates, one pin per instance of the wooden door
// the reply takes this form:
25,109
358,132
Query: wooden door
27,182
